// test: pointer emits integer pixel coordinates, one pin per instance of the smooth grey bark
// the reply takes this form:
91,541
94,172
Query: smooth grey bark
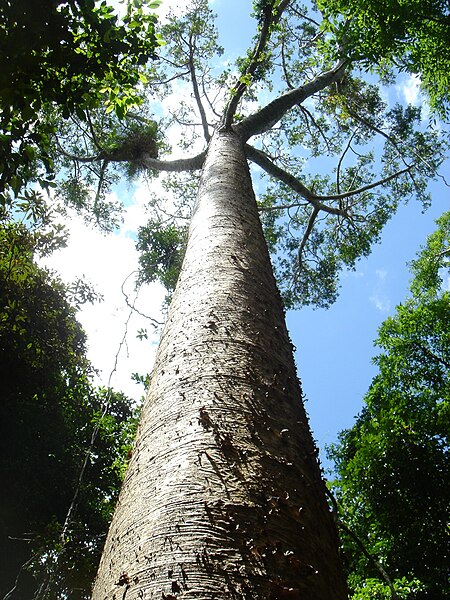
265,118
223,497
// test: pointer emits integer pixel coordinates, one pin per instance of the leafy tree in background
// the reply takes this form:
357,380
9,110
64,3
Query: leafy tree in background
63,57
411,35
393,464
48,411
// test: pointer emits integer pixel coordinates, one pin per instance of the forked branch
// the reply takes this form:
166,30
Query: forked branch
195,87
297,186
271,16
261,159
365,188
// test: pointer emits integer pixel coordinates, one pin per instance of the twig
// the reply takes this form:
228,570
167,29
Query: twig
309,228
360,543
16,582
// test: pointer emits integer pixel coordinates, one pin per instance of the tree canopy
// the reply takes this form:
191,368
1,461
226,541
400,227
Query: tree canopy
393,464
409,35
63,58
335,157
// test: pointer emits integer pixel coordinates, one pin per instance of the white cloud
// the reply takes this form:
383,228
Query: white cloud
107,261
379,297
357,274
409,90
381,302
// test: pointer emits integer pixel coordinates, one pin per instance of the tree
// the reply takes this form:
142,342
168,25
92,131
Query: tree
393,464
49,410
412,35
64,56
223,496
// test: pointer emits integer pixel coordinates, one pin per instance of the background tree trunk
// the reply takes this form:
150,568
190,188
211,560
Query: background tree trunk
223,497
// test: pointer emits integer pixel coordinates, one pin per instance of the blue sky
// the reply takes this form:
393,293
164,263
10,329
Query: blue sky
334,347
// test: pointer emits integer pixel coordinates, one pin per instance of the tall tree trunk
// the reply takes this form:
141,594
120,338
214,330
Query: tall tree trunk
223,497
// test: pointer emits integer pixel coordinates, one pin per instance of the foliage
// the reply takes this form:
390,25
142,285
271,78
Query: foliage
161,253
48,411
85,183
374,589
393,464
411,35
308,264
430,268
74,56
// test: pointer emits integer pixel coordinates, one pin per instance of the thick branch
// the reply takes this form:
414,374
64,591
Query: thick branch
182,164
80,159
295,184
265,119
271,16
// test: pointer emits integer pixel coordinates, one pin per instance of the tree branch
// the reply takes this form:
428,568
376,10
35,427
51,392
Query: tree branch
306,112
360,543
201,109
81,159
431,355
265,119
309,228
271,16
94,136
365,188
341,160
132,304
99,187
182,164
16,582
394,140
284,66
295,184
